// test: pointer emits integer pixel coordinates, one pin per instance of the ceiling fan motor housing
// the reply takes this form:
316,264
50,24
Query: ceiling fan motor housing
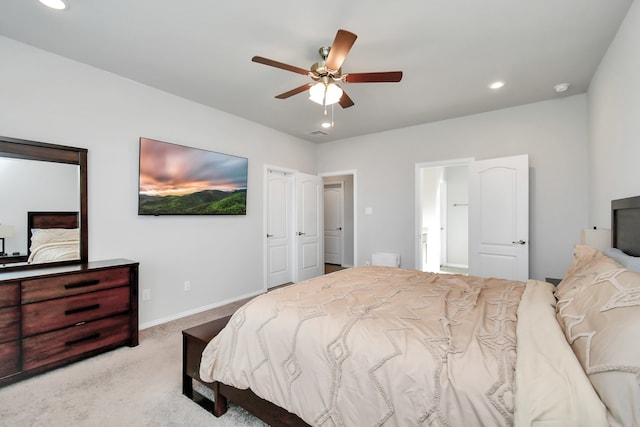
320,70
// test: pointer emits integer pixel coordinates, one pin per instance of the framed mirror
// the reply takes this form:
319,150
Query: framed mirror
43,188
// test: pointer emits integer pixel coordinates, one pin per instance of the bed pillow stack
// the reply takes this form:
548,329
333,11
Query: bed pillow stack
599,312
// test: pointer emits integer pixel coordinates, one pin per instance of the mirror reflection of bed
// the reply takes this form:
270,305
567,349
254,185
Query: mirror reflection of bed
53,237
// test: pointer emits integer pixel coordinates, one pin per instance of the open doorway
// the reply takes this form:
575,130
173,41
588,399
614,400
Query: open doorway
442,213
339,220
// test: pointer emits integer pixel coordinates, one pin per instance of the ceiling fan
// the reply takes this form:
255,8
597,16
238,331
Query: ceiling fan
327,72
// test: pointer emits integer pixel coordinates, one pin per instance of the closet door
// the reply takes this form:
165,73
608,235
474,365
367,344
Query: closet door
309,226
279,228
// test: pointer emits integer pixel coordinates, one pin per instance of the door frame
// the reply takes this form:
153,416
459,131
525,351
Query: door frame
354,173
418,200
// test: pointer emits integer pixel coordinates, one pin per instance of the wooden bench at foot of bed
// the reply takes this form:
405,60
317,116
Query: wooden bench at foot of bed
194,340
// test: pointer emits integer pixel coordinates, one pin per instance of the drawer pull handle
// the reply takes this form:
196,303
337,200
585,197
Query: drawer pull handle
81,309
83,339
81,284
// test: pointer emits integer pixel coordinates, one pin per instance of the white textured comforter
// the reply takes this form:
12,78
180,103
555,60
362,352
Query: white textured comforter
381,346
56,251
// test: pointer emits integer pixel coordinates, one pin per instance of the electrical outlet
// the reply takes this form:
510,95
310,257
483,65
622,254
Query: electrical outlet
187,286
146,294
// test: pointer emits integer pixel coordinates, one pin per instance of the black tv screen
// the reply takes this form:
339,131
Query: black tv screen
179,180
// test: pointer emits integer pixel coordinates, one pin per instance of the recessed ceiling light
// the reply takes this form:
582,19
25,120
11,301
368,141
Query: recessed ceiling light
496,85
562,87
326,125
55,4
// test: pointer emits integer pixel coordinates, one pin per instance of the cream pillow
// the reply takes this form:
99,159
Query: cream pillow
583,256
599,312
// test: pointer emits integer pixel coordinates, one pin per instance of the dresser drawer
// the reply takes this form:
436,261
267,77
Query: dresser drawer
59,313
52,347
9,358
9,324
73,284
9,294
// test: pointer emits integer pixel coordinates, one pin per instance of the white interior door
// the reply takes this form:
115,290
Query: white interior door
499,218
279,228
333,222
444,226
309,226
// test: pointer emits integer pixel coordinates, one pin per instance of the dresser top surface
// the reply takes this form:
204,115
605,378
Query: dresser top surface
64,269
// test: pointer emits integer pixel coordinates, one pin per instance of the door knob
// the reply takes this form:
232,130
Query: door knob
269,235
519,242
300,233
339,228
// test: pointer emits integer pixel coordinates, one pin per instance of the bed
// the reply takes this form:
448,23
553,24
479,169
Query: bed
394,347
53,236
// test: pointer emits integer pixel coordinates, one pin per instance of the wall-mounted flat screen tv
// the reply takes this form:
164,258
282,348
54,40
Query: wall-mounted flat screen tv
179,180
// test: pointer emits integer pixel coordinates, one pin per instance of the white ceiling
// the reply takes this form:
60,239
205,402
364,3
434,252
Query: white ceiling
449,51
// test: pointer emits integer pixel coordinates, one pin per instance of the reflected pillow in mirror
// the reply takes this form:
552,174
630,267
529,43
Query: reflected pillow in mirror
43,236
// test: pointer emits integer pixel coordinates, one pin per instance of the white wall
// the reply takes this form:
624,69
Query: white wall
614,122
52,99
553,133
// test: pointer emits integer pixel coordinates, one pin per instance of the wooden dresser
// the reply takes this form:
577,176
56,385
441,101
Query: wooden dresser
53,316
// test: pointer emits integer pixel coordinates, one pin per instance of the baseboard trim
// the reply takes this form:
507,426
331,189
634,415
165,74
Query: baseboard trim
453,265
180,315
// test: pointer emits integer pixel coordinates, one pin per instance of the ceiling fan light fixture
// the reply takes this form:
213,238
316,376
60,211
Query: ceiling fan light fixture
316,93
333,95
55,4
325,94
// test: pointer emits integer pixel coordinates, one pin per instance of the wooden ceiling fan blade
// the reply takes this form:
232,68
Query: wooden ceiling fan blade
339,49
295,91
281,65
381,77
345,101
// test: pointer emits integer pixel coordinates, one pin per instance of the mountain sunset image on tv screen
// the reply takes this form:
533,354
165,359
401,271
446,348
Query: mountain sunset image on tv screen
180,180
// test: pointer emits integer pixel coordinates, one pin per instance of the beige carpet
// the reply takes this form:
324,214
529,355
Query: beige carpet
138,386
